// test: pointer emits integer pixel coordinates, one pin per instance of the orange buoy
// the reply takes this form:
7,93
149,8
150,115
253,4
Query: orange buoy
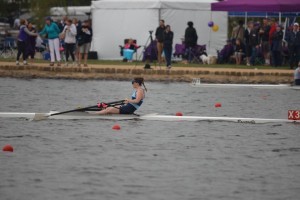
8,148
218,105
116,127
179,114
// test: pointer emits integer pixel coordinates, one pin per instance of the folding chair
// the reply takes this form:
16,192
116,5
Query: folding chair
122,48
196,52
8,48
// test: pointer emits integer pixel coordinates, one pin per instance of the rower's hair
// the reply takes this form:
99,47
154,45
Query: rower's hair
140,81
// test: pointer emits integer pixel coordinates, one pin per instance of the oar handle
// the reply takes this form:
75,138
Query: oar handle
115,102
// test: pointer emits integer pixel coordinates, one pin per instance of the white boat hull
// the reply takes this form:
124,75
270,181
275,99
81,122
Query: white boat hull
261,86
156,117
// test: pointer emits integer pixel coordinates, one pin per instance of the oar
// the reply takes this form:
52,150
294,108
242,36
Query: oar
42,116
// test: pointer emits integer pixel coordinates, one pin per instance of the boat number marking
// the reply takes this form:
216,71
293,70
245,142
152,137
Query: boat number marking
294,114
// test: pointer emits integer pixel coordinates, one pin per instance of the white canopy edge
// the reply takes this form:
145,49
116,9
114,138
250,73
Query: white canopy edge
154,4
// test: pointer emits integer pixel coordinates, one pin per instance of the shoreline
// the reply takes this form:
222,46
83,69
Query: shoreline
127,72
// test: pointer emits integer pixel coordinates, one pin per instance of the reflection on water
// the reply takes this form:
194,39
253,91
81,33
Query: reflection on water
86,159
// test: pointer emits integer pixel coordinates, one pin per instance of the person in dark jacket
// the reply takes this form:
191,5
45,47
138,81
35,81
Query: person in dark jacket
276,47
225,54
159,35
293,39
252,43
30,42
168,42
190,39
265,43
85,35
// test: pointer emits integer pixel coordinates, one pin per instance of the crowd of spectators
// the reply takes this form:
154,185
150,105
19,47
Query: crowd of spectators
66,37
265,43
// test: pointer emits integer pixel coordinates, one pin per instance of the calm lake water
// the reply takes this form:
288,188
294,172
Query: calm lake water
148,160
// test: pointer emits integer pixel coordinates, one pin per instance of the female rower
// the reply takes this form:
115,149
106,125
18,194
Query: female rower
132,104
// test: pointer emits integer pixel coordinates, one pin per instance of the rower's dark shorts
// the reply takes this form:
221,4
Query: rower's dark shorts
127,109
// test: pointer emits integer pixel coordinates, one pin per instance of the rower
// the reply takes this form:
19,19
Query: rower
297,75
131,105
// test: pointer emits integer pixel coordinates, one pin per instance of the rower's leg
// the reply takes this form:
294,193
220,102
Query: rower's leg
109,110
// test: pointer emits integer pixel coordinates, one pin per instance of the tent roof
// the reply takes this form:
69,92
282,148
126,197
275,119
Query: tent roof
153,4
257,6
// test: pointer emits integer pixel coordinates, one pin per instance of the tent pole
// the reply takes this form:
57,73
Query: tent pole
159,15
209,34
279,18
246,16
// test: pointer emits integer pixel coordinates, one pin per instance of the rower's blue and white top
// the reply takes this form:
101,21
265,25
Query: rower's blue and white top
136,105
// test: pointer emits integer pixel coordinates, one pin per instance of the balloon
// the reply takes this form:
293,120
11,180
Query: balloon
215,28
210,24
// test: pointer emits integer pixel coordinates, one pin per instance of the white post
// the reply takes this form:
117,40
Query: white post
279,18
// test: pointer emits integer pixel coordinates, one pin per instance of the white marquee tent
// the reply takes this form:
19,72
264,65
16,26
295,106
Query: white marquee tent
116,20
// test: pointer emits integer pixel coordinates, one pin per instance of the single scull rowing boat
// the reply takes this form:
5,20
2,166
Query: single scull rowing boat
154,116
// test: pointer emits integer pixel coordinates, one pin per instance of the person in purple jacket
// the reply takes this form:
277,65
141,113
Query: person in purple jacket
22,38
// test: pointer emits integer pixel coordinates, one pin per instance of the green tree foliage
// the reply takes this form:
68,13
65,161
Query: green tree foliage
39,8
13,8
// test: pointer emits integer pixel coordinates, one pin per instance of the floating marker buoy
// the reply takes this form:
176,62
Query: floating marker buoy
179,114
8,147
116,127
218,105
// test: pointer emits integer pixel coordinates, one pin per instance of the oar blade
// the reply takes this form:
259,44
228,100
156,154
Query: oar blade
40,116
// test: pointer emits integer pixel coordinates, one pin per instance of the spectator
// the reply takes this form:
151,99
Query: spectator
62,23
273,25
265,43
251,40
69,34
225,54
276,47
297,75
85,35
78,28
293,40
17,23
22,38
131,45
238,32
246,41
129,49
239,51
159,34
168,42
31,42
52,32
190,39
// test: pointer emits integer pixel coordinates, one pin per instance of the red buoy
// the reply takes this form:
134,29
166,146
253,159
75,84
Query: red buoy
8,148
116,127
218,105
179,114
